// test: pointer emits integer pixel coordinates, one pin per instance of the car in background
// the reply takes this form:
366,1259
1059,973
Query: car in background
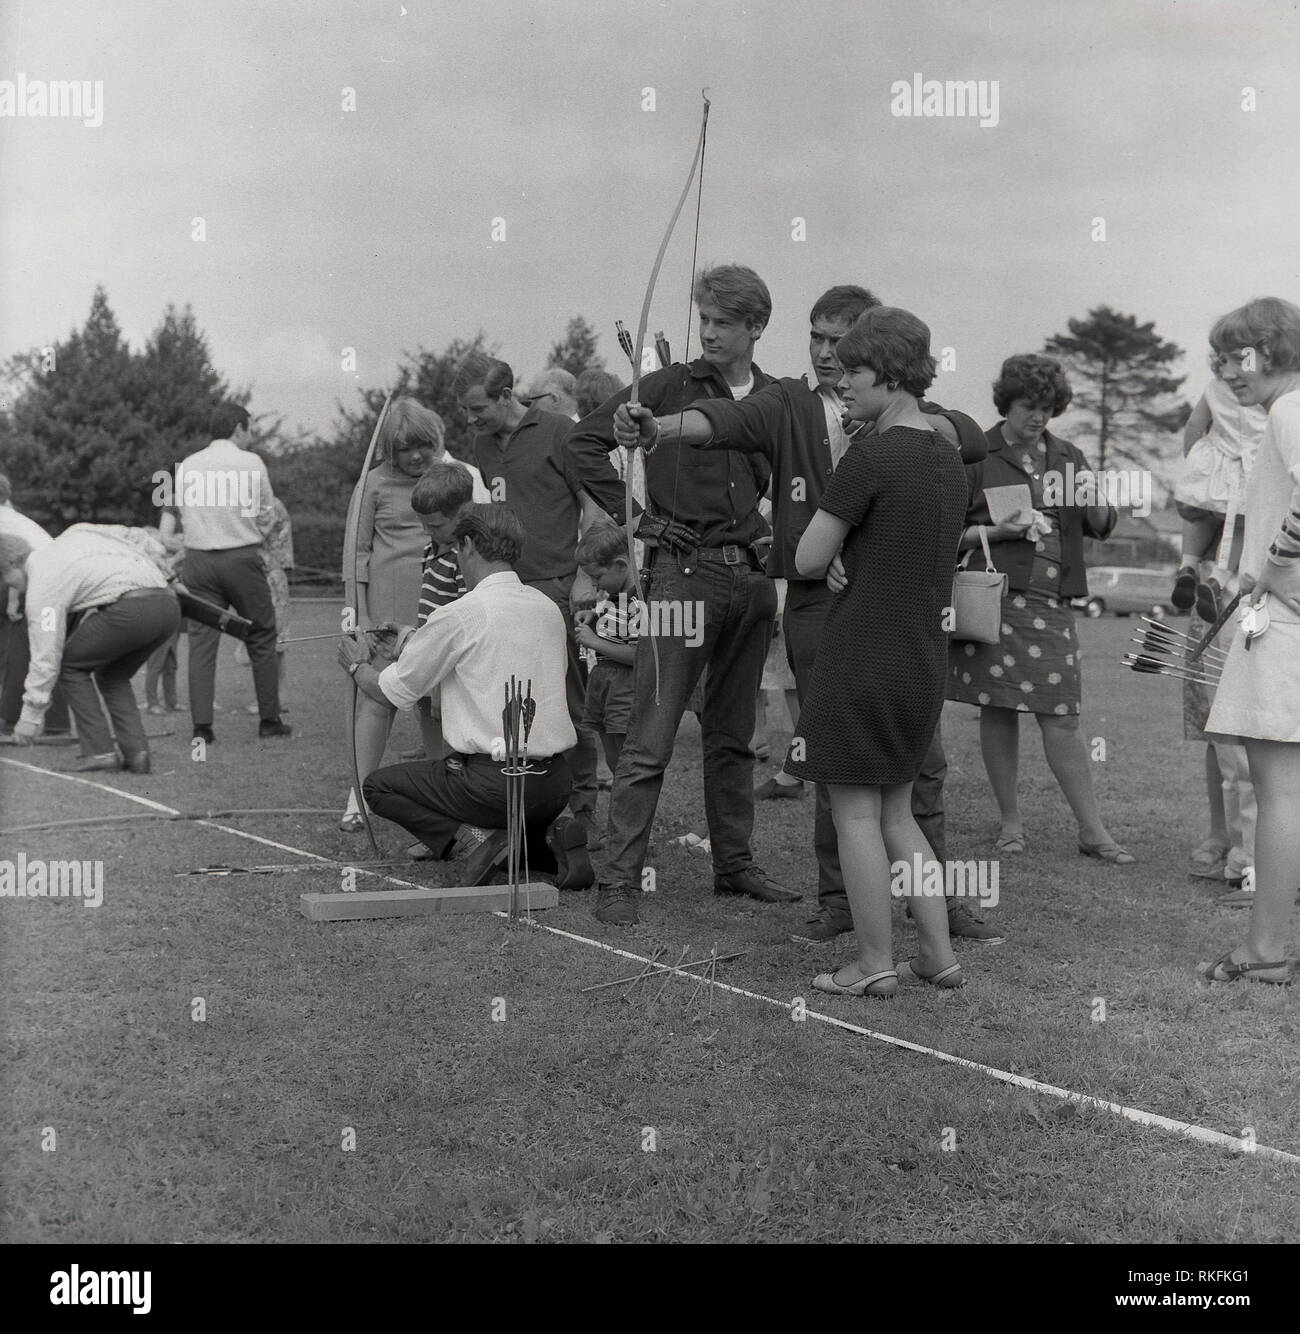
1127,589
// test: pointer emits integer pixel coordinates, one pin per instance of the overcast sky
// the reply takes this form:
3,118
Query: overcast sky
372,228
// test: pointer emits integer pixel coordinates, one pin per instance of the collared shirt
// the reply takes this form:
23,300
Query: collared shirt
442,581
472,647
89,565
529,472
222,492
714,492
837,437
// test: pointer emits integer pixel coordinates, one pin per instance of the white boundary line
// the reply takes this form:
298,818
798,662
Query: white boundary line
1187,1129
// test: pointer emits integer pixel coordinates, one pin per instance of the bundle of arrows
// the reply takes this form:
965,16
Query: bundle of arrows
516,725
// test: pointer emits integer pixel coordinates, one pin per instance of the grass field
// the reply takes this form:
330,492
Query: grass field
660,1113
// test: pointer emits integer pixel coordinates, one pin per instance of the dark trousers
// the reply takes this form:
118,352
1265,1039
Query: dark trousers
806,608
233,578
432,799
738,606
582,758
15,658
101,656
162,668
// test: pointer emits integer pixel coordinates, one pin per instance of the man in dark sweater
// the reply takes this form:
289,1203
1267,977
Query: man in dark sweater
701,529
795,425
519,453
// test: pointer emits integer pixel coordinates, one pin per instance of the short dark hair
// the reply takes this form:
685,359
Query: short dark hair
843,303
594,388
492,374
494,531
1034,377
442,488
893,343
601,545
227,418
1269,324
736,291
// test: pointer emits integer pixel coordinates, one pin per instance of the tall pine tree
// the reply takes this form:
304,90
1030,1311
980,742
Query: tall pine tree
1126,401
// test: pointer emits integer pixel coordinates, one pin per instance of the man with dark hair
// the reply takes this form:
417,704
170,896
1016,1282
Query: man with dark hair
520,453
224,496
702,527
470,649
795,425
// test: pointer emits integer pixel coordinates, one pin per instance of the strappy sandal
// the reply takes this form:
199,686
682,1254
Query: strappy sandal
1226,969
882,985
946,979
1011,843
1108,852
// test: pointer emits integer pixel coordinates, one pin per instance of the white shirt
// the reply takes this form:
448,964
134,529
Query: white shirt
472,647
14,524
834,409
89,565
222,492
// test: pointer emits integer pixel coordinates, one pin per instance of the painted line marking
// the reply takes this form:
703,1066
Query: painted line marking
1153,1120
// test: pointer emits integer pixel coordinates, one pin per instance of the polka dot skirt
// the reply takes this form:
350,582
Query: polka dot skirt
1034,668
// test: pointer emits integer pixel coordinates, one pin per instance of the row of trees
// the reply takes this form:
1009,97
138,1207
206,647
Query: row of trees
85,423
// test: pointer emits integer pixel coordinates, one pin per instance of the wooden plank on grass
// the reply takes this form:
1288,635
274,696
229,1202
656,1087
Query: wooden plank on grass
421,902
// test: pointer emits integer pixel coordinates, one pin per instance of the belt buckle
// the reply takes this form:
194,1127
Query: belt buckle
732,555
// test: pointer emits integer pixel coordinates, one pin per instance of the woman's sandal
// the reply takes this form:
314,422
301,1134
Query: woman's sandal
1227,969
882,985
947,979
1108,852
1012,842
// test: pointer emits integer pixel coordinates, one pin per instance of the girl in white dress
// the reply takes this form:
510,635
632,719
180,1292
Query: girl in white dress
1258,699
1219,444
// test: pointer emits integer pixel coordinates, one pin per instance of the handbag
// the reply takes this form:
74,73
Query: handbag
977,599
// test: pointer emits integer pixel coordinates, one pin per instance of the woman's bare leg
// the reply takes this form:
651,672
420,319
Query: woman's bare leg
865,862
903,843
1000,745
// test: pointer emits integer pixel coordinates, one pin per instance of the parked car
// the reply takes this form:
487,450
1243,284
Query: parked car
1124,589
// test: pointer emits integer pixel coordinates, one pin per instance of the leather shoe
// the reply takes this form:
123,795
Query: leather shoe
269,727
110,761
757,884
486,859
136,762
567,840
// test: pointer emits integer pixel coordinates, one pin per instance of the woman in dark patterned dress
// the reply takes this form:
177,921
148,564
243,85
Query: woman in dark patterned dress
1034,667
895,505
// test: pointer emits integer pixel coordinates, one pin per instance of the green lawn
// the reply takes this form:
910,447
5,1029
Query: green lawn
655,1114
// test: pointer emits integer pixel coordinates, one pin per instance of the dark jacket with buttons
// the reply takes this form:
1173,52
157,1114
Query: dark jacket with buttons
1015,558
786,423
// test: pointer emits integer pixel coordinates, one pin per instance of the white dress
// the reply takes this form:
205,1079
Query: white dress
1213,475
1259,693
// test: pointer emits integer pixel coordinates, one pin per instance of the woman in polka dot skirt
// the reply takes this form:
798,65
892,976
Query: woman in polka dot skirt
1034,668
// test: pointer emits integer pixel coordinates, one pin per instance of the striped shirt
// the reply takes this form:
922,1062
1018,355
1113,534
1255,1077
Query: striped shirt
441,582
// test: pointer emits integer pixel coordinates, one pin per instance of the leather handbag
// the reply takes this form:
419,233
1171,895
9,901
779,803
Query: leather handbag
977,599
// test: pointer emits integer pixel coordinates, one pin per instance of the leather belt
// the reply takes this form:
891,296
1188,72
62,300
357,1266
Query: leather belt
731,554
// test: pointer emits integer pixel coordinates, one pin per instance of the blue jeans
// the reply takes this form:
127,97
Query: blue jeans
734,608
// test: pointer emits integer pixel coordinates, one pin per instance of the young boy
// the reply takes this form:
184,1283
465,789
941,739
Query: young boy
611,631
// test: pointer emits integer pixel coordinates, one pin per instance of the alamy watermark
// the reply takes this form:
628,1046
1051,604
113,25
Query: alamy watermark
662,618
924,877
952,98
69,99
1127,488
209,488
35,878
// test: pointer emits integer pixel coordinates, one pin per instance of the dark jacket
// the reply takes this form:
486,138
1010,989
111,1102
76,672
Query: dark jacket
715,494
786,425
1015,557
